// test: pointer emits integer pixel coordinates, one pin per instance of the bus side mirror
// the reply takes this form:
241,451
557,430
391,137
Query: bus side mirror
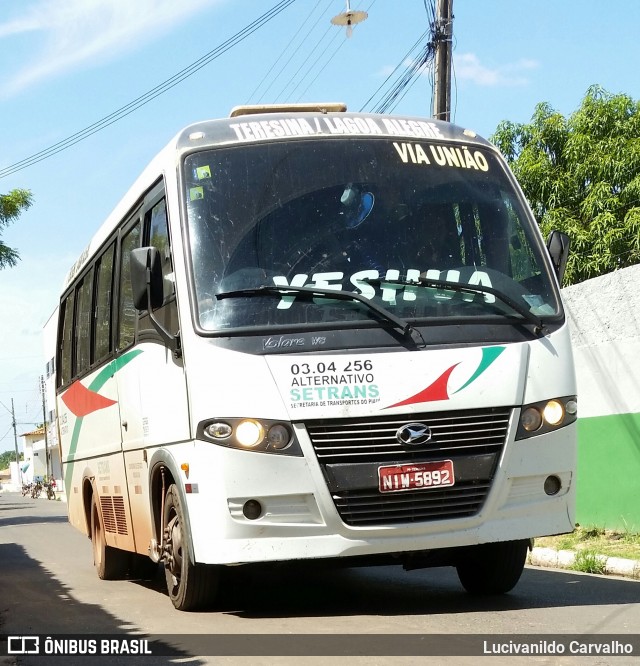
146,285
146,278
558,246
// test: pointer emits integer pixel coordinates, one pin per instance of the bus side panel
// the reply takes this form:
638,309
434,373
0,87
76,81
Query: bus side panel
113,496
91,444
153,403
138,490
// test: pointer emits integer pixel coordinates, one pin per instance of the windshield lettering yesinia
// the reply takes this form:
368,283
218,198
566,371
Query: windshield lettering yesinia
368,216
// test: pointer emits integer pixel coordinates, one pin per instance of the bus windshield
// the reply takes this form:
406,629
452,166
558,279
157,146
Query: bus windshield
384,219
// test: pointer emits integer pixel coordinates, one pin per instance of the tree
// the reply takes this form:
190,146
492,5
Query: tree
7,457
11,205
581,175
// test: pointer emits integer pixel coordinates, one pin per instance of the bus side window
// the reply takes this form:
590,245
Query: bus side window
66,340
102,311
157,235
84,293
159,238
126,311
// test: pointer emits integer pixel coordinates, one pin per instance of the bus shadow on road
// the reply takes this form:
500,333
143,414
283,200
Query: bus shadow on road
35,603
305,591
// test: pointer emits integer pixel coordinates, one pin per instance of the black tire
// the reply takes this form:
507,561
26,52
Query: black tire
51,493
492,568
111,563
190,586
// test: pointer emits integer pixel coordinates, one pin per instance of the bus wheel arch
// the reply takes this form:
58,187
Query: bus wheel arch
160,479
190,585
88,492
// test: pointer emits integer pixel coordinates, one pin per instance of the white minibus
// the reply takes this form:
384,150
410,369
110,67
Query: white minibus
308,334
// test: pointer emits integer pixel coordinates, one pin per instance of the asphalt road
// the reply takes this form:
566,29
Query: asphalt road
48,587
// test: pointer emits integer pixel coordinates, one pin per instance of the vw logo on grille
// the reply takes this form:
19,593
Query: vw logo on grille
413,434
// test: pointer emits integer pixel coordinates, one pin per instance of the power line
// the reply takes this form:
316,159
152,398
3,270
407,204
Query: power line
401,87
316,62
325,65
284,51
160,89
304,62
406,56
315,78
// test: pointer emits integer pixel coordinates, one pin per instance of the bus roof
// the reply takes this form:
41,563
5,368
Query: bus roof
250,124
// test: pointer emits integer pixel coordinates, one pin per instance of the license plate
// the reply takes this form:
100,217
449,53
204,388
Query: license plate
421,476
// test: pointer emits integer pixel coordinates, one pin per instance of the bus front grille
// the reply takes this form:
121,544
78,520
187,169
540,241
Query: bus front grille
350,451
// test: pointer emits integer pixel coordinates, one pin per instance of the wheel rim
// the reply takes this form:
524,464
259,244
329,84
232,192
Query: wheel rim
174,548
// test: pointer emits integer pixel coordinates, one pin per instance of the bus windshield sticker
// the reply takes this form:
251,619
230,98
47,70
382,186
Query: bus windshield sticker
200,173
389,292
451,156
196,193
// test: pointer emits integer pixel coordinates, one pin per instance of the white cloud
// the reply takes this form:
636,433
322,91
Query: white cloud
469,68
81,33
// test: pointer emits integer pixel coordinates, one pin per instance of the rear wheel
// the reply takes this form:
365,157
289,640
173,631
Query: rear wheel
111,563
492,568
190,585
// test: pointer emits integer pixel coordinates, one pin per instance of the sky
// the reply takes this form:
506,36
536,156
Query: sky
66,65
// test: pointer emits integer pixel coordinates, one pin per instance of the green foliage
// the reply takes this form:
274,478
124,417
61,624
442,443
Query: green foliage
596,540
7,457
589,562
581,175
11,206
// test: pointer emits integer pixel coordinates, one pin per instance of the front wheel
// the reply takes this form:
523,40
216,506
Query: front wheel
190,585
51,494
492,568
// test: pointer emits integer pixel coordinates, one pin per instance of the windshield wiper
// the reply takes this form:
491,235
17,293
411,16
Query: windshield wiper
538,324
403,326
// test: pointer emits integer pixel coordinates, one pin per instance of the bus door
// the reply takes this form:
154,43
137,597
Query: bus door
151,381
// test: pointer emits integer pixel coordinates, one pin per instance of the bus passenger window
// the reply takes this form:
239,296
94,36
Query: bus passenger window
66,336
102,323
126,310
83,323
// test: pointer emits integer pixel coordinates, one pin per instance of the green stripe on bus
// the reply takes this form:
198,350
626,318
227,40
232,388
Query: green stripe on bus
98,382
489,355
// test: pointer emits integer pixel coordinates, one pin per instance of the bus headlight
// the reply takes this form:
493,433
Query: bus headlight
249,433
279,437
530,419
553,412
541,417
264,435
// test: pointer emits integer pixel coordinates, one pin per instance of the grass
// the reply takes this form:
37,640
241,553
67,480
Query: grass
587,542
589,561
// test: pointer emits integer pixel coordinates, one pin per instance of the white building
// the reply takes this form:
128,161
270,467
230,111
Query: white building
36,450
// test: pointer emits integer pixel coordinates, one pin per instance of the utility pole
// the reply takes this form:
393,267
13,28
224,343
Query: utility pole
44,421
15,440
442,33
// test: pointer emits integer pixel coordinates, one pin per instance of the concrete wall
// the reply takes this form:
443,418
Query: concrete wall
604,316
